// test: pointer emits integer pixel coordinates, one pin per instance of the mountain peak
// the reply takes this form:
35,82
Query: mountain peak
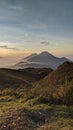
45,53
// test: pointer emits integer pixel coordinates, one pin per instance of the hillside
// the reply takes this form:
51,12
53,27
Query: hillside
60,79
57,77
21,77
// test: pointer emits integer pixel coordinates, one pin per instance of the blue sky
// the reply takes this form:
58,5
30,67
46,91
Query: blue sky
36,25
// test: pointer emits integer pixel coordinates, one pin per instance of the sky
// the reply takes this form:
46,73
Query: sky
28,26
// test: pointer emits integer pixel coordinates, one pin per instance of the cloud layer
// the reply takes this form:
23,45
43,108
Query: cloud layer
45,43
6,47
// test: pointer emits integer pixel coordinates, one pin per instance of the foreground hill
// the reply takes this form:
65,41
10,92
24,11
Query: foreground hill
57,84
43,102
44,59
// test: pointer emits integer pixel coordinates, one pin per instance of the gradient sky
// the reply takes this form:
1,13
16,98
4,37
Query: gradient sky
28,26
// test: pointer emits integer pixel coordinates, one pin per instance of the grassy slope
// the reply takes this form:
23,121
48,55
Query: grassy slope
22,110
56,83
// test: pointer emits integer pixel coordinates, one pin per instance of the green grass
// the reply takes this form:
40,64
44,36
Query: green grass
20,110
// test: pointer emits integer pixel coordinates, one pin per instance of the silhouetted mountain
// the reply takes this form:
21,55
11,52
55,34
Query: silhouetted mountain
42,60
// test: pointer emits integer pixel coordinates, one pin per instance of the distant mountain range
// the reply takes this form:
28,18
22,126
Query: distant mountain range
42,60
